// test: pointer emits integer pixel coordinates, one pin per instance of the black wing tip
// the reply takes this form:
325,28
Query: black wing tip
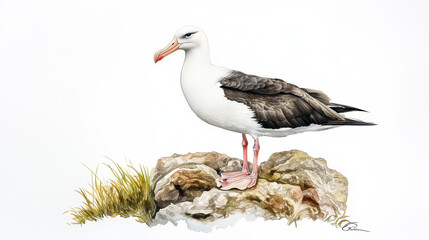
350,122
340,108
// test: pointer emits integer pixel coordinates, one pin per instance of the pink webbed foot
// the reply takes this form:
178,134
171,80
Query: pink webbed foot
244,182
242,179
234,177
229,175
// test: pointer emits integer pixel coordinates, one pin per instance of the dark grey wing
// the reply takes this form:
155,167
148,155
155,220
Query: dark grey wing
278,104
254,84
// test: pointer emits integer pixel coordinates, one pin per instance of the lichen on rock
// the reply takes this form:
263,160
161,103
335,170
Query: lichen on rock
291,185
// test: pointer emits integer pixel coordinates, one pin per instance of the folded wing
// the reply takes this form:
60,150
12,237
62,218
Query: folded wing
278,104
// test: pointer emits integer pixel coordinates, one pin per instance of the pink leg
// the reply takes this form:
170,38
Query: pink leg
247,181
245,170
244,143
256,148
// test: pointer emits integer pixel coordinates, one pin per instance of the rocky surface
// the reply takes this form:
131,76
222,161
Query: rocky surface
291,185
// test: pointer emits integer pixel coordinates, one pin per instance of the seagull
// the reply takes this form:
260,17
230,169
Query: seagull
248,104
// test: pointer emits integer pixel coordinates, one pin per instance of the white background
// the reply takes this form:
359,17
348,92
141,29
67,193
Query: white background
78,82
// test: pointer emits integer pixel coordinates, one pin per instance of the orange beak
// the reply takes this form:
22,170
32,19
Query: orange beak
171,47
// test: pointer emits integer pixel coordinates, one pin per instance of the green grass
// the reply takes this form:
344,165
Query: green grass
127,195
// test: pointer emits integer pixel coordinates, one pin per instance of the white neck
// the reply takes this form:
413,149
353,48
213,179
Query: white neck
197,68
198,56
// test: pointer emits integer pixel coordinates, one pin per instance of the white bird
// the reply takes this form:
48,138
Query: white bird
248,104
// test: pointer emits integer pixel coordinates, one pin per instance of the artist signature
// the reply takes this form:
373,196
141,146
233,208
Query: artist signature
352,226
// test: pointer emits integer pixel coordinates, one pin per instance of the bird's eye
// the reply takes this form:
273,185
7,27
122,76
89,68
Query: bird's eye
188,35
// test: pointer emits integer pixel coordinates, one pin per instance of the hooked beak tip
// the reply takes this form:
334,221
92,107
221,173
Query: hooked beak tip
156,57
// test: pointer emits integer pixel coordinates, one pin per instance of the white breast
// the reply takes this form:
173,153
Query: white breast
202,91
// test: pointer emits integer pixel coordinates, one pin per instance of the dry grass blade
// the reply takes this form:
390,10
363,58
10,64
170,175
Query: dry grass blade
128,195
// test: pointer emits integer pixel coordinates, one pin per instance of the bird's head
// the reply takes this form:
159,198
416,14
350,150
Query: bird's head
186,38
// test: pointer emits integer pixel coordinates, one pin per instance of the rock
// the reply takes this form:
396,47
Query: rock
184,185
321,185
181,178
291,185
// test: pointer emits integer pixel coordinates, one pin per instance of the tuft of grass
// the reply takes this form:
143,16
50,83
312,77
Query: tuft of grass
127,195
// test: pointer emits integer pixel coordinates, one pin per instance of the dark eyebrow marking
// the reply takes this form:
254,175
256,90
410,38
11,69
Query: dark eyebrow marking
190,33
